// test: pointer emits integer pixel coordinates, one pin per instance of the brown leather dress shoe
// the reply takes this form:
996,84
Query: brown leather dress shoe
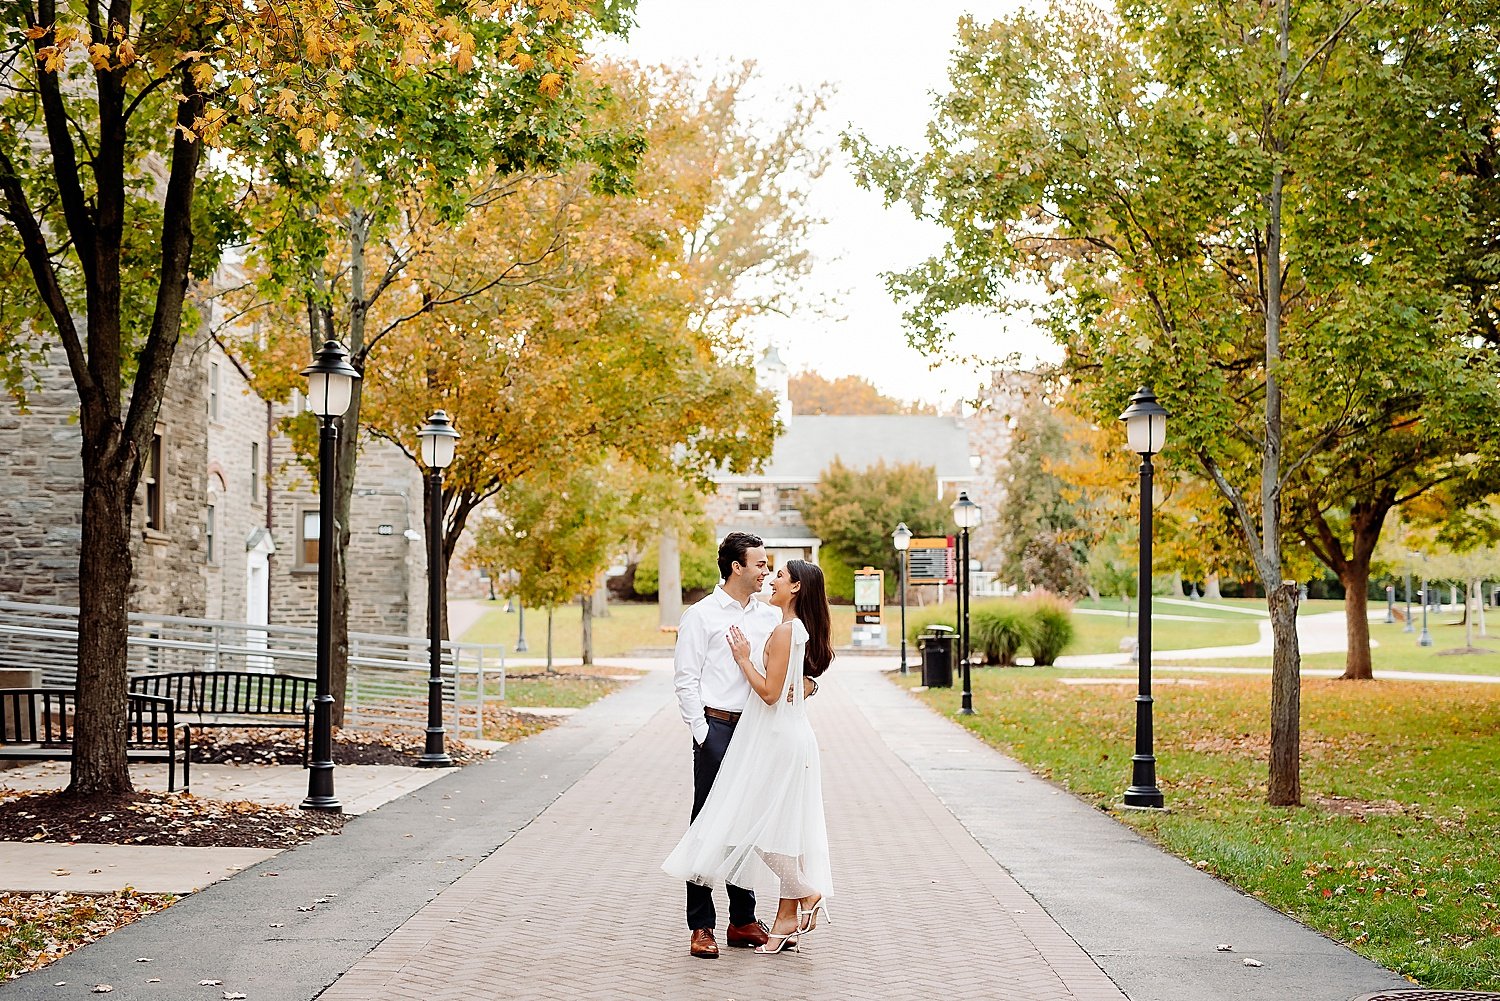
748,936
704,946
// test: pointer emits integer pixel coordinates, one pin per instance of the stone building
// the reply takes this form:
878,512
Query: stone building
226,518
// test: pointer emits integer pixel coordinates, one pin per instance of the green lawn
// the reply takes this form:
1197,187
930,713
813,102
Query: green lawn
1103,633
1392,852
629,627
633,627
1398,650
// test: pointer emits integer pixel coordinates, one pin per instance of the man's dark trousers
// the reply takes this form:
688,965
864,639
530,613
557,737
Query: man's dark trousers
707,757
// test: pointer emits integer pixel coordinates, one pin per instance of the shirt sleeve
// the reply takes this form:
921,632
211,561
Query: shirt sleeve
687,662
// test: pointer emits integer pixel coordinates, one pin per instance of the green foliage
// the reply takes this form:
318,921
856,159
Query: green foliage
699,554
918,619
838,573
854,512
999,630
1051,620
557,531
1037,501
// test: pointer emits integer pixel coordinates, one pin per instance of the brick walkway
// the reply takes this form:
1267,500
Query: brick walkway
575,906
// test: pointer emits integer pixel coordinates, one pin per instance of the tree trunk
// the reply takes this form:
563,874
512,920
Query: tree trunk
1468,621
586,604
343,499
1285,788
669,580
99,767
549,640
1211,588
1355,576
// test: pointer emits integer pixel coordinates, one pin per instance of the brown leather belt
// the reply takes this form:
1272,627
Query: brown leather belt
723,714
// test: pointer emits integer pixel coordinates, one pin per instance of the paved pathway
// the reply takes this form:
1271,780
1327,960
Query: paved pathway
535,875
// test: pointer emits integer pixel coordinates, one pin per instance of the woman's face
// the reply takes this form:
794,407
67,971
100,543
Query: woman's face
782,588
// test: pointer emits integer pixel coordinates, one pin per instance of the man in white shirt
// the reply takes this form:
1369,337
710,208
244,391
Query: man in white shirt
712,693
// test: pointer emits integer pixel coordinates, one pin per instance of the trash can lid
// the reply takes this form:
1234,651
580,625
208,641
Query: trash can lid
937,629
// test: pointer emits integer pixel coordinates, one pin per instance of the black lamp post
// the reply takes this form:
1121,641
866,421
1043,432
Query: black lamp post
439,441
1408,628
1146,430
966,515
330,389
1426,638
902,538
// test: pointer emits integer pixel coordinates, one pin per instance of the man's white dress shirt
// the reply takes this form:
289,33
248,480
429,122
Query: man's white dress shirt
705,669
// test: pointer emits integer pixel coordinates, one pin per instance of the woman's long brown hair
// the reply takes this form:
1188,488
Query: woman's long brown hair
812,609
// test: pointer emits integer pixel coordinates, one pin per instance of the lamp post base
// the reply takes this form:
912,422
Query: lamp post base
433,756
325,804
1144,798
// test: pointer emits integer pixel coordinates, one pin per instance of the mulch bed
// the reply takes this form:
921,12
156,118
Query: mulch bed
388,745
151,818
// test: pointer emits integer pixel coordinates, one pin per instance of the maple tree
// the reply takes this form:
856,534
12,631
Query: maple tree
112,207
1252,208
353,222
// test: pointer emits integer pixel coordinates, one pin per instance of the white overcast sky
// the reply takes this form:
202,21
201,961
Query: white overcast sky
883,60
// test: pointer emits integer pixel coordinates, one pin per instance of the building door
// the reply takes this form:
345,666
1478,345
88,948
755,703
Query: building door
258,599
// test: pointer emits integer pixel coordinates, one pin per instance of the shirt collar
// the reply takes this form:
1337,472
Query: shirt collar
726,600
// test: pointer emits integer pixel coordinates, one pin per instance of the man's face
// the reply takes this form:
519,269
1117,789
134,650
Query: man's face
756,567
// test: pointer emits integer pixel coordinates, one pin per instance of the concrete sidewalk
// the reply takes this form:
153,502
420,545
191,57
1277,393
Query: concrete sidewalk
960,875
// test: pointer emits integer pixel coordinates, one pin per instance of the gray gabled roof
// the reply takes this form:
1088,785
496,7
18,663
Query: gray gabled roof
811,443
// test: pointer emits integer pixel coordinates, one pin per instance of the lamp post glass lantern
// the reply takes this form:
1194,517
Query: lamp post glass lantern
901,537
439,441
966,515
1146,431
330,389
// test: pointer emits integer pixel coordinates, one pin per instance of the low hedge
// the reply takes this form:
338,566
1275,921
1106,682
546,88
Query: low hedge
1000,628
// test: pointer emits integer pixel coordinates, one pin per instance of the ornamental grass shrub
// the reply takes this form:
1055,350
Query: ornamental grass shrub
1051,620
999,630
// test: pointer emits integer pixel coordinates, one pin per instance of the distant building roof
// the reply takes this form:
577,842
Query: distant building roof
812,442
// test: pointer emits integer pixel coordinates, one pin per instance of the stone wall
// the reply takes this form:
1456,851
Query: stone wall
41,487
40,483
168,576
387,572
237,441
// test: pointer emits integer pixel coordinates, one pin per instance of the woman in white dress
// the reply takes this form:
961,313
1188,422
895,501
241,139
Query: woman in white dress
764,815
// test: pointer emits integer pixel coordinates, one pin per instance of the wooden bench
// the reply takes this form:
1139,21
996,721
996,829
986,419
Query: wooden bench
236,698
36,724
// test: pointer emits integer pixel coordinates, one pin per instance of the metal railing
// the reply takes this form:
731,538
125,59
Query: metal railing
387,674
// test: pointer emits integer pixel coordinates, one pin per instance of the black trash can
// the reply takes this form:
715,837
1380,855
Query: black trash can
936,645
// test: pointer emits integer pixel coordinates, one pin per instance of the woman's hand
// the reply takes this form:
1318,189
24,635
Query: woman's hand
739,646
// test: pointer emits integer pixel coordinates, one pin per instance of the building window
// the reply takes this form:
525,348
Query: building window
155,499
255,472
213,390
749,500
789,500
309,531
208,536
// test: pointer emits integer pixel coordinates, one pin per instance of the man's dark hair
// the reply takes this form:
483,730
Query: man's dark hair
732,550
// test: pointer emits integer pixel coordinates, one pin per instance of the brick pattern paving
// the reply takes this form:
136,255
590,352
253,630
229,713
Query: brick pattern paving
575,905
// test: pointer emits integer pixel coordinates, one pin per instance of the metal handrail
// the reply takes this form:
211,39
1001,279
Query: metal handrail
387,674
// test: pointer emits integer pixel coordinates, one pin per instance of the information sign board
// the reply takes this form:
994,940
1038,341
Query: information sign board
869,596
932,561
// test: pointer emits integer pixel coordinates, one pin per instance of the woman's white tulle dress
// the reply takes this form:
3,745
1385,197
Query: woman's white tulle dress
763,819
